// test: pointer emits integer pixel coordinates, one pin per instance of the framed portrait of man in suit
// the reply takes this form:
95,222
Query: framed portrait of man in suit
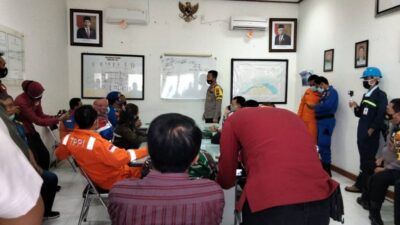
86,27
361,54
282,35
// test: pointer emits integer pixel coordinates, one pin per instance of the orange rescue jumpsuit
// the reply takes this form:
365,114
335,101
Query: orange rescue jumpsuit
104,163
307,114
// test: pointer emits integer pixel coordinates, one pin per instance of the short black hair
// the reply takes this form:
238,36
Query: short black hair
240,100
313,77
74,102
86,18
213,73
321,79
251,103
128,114
174,142
396,104
85,116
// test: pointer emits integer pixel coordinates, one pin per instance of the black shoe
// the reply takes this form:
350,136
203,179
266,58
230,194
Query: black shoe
51,215
363,203
375,213
58,188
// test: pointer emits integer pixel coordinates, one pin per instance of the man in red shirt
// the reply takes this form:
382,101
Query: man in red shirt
285,180
167,195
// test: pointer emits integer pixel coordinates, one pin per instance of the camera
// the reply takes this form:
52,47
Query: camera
61,112
351,93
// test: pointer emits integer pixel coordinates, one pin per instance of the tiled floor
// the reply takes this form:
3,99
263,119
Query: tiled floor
69,202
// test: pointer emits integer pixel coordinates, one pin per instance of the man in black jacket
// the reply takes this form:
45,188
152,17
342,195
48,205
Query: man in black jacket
371,112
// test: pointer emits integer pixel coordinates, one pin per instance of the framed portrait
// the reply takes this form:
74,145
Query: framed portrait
282,35
361,54
329,56
103,73
263,80
385,6
86,27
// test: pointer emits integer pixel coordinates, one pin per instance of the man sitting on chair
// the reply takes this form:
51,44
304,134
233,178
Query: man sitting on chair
104,163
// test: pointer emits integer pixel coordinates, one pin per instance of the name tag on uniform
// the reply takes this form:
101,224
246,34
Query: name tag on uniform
365,112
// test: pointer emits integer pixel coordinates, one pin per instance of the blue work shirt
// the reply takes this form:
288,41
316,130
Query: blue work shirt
328,103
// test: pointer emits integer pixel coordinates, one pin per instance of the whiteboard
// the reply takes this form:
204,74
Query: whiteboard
185,77
12,45
263,80
103,73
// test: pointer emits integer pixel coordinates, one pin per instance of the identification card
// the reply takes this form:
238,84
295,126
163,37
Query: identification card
365,112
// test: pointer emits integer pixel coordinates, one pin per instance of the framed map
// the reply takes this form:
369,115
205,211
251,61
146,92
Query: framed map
263,80
103,73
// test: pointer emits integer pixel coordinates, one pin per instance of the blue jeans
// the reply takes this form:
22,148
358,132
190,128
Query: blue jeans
49,189
310,213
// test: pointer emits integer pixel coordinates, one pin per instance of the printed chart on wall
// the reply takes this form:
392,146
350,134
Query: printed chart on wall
12,45
185,77
263,80
103,73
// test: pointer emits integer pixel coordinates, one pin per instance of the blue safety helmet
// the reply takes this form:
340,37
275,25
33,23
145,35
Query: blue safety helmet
372,72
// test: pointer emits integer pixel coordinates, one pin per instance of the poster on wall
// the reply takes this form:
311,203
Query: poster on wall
384,6
282,35
86,27
103,73
263,80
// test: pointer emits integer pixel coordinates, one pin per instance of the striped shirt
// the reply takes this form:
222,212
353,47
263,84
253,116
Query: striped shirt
169,198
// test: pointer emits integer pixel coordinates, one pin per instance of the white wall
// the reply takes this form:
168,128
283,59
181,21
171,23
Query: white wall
166,33
43,23
339,24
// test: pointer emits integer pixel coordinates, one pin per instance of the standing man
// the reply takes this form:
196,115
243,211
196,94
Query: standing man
86,31
3,73
260,135
325,114
212,107
371,112
311,96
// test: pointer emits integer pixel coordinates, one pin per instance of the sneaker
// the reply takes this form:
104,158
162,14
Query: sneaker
353,189
51,215
363,203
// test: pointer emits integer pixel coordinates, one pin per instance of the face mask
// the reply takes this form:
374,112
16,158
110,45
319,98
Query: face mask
388,116
12,117
314,88
3,72
209,81
320,90
366,84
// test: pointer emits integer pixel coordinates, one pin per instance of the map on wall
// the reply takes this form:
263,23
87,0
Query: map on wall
12,46
263,80
103,73
185,77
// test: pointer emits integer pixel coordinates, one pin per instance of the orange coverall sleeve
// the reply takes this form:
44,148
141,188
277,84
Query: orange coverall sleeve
301,106
62,152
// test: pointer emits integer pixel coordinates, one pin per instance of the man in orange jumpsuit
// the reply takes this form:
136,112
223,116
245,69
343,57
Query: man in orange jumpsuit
307,114
104,163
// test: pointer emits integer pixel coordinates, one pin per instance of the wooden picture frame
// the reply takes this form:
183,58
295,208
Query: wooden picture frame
282,34
329,56
86,27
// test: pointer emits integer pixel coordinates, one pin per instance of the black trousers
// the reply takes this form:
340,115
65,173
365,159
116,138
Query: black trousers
39,150
367,148
397,203
311,213
210,120
48,191
380,182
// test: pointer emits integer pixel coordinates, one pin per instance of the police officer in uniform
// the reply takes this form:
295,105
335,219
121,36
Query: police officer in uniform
325,114
371,112
212,107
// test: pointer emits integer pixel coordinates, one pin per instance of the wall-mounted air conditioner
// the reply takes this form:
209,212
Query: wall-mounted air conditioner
130,16
249,23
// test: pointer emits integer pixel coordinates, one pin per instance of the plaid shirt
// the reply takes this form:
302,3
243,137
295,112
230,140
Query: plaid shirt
169,198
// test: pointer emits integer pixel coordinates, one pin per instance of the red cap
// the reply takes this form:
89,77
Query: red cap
32,88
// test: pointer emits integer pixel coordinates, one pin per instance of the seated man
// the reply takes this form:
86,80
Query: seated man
104,126
126,133
68,125
104,163
167,195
